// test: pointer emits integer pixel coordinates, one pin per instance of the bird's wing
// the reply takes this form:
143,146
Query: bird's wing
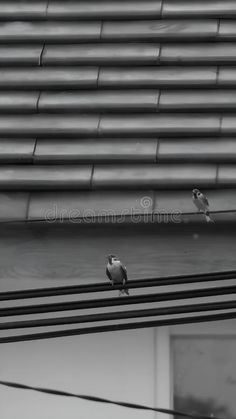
108,274
204,200
124,271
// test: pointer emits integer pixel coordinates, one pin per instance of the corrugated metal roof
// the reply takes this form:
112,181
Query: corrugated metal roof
120,106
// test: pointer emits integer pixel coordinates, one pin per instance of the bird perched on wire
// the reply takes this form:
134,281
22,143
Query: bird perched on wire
202,204
117,273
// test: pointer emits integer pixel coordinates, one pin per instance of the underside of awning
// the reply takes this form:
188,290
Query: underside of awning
115,110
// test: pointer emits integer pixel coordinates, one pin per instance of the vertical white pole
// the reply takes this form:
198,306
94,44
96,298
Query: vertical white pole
162,362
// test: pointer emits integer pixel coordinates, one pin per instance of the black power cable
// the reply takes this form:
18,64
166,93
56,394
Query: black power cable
105,286
118,327
120,315
103,400
109,302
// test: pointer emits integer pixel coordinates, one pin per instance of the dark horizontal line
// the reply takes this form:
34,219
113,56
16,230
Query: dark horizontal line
118,327
105,286
110,302
120,315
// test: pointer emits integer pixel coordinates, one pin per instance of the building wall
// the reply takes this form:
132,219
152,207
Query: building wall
32,254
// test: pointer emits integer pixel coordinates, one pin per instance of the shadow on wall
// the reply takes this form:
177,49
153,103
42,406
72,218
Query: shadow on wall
208,407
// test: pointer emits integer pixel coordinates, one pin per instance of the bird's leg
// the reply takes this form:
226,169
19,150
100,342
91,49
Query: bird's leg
123,283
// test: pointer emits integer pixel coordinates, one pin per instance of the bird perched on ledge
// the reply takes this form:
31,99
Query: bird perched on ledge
202,204
117,273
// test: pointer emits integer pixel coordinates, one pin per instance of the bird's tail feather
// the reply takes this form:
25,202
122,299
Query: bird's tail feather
124,291
208,218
